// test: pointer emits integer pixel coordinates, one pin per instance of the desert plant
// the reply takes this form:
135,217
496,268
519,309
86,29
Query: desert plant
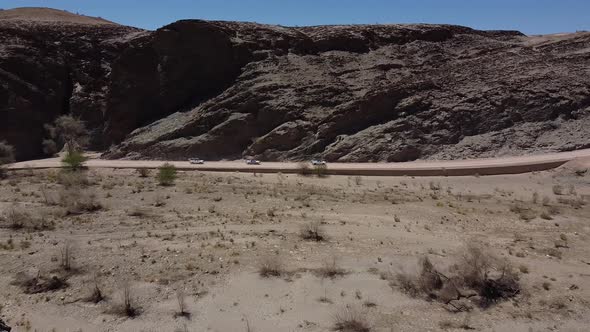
127,306
66,257
535,197
97,295
313,231
76,200
72,179
67,131
6,157
39,283
166,174
74,160
271,266
143,172
180,300
6,153
321,171
330,269
350,320
303,169
17,219
491,278
358,180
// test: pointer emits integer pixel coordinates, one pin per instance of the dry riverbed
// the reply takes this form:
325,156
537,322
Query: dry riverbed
110,250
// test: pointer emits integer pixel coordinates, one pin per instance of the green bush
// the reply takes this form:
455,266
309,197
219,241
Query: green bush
166,174
321,171
74,160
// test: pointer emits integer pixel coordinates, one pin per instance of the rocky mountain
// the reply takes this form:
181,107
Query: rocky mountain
345,93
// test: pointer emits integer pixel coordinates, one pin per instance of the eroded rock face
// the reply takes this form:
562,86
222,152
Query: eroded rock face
52,68
383,93
345,93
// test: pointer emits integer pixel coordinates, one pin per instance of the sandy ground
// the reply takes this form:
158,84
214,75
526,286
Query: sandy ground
209,234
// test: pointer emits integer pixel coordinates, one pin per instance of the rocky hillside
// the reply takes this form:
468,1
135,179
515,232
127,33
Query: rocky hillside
348,93
52,63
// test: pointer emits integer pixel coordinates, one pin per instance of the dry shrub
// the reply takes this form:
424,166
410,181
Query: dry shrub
350,320
477,274
180,300
557,189
69,178
492,278
321,171
426,282
576,203
66,257
143,172
127,306
97,295
313,231
40,283
139,212
303,169
16,219
330,269
77,200
523,212
271,266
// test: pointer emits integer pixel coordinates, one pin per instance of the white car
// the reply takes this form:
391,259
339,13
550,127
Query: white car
316,162
252,162
196,161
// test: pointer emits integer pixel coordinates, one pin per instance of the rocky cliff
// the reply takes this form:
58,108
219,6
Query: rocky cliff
345,93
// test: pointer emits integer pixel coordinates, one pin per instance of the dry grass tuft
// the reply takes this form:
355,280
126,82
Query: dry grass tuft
330,269
66,257
350,320
181,301
97,295
271,266
313,231
127,306
143,172
76,200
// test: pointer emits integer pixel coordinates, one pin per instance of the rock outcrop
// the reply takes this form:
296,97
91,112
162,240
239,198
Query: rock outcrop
223,90
52,63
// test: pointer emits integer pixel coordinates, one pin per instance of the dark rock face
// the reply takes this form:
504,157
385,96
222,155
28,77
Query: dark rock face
381,93
49,69
345,93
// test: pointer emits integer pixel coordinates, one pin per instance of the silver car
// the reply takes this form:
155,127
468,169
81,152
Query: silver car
196,161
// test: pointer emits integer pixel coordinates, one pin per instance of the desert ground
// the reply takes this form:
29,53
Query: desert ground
112,250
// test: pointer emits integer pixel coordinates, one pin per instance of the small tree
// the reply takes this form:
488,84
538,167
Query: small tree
71,133
6,156
67,131
166,174
74,160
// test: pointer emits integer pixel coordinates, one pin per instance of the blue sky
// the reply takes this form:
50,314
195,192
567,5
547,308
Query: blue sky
528,16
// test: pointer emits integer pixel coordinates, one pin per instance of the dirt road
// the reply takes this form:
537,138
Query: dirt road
492,166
